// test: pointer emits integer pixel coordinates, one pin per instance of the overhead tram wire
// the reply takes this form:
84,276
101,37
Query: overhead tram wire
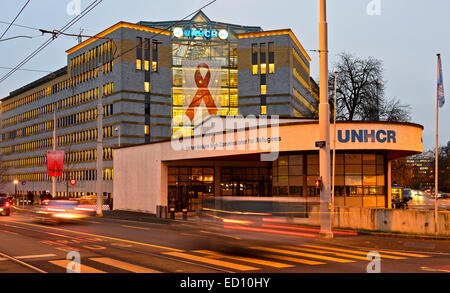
20,25
94,4
25,69
1,37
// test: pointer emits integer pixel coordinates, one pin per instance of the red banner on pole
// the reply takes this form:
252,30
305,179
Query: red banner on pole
55,161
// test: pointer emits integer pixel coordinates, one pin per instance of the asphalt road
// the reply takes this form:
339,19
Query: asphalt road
427,203
118,245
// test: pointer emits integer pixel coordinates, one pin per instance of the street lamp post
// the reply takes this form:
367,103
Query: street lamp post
324,127
15,188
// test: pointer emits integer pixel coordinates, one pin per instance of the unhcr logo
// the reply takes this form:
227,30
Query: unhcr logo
179,32
381,136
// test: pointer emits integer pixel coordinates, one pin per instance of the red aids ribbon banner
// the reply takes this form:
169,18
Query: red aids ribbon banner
55,161
202,94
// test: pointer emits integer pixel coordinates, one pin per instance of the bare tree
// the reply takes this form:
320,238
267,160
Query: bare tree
361,91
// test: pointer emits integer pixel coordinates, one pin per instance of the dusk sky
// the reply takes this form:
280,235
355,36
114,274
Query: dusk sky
405,36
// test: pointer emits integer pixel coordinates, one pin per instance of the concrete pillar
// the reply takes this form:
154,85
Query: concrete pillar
389,184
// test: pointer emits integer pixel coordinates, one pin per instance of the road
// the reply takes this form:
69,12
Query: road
118,245
423,202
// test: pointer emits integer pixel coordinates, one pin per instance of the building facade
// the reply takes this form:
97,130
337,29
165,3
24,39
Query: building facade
150,78
276,162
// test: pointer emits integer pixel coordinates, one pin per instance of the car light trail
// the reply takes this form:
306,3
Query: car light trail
272,231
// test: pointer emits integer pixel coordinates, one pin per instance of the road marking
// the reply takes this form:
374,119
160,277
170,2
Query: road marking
292,259
30,256
246,259
212,261
135,227
405,254
97,235
123,265
296,253
329,252
353,251
84,268
22,263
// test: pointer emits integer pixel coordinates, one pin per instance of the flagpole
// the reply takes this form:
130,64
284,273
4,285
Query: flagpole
436,167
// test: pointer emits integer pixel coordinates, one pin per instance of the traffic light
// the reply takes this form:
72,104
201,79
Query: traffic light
318,183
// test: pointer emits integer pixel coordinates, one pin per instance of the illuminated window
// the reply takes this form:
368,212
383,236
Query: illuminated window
138,64
147,86
263,89
147,65
154,66
263,68
263,110
147,130
271,68
255,69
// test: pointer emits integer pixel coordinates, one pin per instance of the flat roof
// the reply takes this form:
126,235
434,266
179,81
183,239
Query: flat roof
36,83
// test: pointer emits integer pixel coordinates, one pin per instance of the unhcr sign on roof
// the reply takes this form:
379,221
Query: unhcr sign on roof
179,32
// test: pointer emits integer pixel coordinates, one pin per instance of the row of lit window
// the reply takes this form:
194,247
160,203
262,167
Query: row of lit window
107,89
77,78
303,101
263,61
28,99
84,136
146,66
69,157
67,120
79,175
178,114
28,115
225,99
70,138
81,117
146,44
28,146
263,69
29,130
90,59
225,77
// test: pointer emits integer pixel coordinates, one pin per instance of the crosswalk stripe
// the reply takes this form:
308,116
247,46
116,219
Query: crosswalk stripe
212,261
292,259
31,256
353,251
405,253
246,259
297,253
123,265
84,268
329,252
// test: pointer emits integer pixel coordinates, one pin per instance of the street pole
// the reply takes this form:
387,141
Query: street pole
99,212
334,146
324,127
54,148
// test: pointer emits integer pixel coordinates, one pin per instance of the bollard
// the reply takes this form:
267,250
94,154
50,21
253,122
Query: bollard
172,213
184,214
